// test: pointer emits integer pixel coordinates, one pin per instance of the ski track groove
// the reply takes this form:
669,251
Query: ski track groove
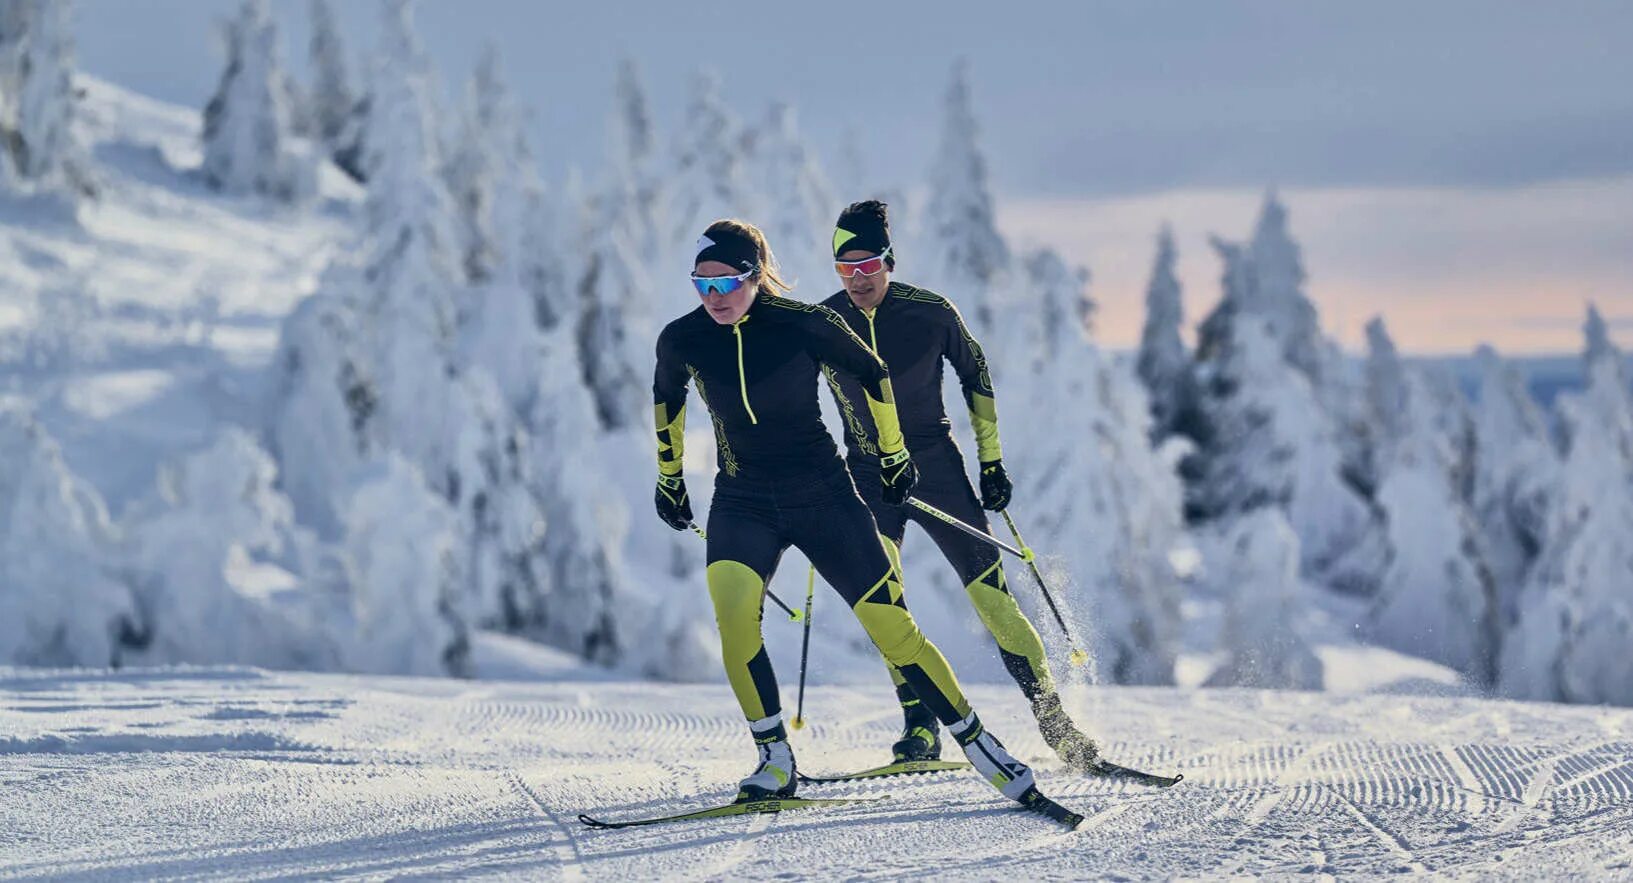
738,852
567,851
1394,844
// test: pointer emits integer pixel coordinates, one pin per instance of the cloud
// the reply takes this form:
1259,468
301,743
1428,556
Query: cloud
1449,268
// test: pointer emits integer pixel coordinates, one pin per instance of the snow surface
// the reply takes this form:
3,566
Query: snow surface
240,773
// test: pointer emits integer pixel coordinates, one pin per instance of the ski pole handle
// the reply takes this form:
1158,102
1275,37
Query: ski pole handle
793,615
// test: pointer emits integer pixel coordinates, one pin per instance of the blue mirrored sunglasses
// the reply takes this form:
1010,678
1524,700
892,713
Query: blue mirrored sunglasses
707,285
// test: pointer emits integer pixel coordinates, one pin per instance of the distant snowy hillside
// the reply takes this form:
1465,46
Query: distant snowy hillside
141,329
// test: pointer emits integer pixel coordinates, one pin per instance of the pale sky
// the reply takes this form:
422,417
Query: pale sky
1462,167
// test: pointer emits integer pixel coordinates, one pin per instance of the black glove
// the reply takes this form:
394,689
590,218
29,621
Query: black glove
674,507
898,475
995,486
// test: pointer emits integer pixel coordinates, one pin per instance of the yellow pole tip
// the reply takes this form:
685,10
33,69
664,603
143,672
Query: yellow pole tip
796,616
799,723
1078,657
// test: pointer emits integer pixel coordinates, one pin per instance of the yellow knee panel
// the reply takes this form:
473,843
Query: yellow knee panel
738,593
1003,618
892,629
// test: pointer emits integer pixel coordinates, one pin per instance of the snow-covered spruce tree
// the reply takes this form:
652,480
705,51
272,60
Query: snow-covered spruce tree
370,363
333,105
1253,560
707,179
323,425
404,554
1265,278
60,604
1437,599
39,153
801,207
510,233
1516,470
247,121
1092,490
615,324
14,18
575,603
1164,364
206,553
965,257
1271,443
1277,292
478,163
1576,617
586,525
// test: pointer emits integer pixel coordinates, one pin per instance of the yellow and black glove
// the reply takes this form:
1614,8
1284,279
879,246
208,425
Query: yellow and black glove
674,506
898,476
996,487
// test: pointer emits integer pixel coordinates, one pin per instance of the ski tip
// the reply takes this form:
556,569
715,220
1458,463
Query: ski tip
594,823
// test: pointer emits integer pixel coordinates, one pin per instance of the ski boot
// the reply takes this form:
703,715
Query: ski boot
921,733
775,777
994,762
1078,751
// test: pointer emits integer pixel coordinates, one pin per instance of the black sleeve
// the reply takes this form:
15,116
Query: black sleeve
669,405
970,363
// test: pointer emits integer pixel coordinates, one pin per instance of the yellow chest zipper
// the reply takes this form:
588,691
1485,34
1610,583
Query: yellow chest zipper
742,375
873,333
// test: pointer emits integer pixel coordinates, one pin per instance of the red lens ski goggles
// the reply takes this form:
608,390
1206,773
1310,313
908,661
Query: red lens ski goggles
864,267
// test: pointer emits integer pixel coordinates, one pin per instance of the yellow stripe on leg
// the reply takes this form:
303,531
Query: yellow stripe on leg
1009,626
738,593
897,636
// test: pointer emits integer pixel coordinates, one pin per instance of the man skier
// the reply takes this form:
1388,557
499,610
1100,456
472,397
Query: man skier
913,330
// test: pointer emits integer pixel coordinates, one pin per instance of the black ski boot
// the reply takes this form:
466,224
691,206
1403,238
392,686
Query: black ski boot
921,732
1078,751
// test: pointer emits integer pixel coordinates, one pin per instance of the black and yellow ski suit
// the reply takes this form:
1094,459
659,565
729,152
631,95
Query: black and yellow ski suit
914,330
781,482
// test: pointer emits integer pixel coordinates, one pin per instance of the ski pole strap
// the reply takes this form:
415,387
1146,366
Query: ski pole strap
979,534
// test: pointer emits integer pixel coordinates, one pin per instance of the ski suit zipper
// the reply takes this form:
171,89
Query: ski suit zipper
742,375
873,333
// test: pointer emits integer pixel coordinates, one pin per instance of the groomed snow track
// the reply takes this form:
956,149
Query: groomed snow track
236,773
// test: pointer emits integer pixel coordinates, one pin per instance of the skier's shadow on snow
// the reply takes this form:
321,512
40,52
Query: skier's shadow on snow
432,853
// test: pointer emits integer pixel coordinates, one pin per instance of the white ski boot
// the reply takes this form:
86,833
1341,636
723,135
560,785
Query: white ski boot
990,758
775,776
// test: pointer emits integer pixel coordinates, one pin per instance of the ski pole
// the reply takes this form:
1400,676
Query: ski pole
979,534
793,615
1077,657
805,649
